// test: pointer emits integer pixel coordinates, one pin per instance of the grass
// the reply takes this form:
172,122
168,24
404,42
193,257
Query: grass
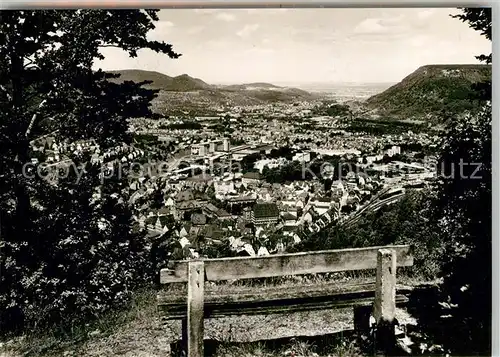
137,322
294,348
52,342
130,330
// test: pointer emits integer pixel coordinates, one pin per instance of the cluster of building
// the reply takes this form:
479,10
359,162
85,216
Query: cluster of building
212,185
251,215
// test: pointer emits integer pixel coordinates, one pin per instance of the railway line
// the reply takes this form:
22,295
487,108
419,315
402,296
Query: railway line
385,197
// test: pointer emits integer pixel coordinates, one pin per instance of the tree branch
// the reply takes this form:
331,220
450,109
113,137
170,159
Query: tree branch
33,118
115,46
9,97
43,136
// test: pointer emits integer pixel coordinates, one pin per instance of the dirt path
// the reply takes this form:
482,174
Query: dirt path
152,338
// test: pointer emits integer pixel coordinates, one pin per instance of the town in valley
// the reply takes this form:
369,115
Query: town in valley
259,179
246,182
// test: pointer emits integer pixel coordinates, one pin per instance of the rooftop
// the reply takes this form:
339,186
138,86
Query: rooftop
265,210
252,175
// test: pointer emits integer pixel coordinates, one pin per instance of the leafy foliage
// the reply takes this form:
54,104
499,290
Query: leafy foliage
338,110
464,210
382,127
404,222
186,125
68,251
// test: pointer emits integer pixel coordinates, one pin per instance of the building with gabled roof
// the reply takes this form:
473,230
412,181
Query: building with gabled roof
265,213
251,178
198,219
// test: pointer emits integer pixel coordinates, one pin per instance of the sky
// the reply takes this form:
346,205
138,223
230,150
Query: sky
232,46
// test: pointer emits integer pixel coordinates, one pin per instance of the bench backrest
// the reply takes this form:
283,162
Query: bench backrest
327,261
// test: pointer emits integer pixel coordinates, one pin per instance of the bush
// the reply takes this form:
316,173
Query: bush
404,222
68,253
81,260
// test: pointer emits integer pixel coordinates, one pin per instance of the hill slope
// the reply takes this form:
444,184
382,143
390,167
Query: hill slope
429,91
185,93
182,83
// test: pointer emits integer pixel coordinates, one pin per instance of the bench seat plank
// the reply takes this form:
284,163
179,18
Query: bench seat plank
270,300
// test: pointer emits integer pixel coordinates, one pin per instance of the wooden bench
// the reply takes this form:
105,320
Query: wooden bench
198,305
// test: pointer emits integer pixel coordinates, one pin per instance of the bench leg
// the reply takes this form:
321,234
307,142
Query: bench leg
184,337
362,320
384,309
195,330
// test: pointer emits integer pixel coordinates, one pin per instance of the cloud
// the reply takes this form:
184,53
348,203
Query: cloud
331,37
425,14
419,41
369,26
162,28
225,16
247,30
218,14
260,51
384,28
311,34
379,25
163,25
206,11
195,29
217,43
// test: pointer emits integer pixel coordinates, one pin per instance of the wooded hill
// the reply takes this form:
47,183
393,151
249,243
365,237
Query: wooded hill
431,92
184,92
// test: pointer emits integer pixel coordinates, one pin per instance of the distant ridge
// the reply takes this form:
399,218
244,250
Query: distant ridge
182,83
250,86
185,83
184,91
431,90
